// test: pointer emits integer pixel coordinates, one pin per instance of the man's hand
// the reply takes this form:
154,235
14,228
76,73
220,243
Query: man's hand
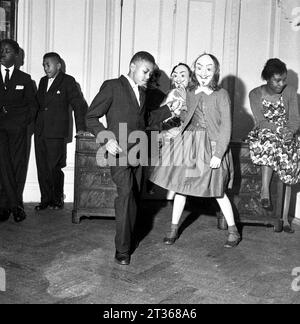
215,162
113,147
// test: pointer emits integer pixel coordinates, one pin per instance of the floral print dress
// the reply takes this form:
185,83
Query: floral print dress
269,148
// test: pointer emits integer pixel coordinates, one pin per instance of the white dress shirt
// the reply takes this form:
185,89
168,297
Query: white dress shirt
3,71
135,88
50,81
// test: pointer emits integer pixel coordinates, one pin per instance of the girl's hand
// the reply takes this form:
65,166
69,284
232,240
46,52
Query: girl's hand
215,162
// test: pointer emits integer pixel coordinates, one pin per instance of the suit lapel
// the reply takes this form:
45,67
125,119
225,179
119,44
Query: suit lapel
128,88
43,86
142,98
1,81
53,88
57,81
13,80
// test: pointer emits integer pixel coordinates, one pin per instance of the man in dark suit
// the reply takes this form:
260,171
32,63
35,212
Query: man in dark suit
56,92
17,110
122,101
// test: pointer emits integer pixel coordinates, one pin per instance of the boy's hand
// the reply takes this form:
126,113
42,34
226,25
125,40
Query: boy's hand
113,147
215,162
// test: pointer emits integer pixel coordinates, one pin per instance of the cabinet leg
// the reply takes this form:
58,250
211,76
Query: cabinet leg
75,217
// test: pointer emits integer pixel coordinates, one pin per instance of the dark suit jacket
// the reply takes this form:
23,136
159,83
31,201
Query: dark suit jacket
18,105
53,116
116,100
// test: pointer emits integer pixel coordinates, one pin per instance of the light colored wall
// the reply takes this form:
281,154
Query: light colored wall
88,34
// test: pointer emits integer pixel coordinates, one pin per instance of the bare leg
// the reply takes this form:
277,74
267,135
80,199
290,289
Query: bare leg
233,234
287,199
226,208
178,207
267,173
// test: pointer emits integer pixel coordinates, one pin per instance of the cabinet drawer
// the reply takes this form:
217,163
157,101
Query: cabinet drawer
250,169
86,160
87,145
94,199
96,179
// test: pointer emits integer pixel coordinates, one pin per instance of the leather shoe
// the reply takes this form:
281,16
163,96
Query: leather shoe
19,214
265,203
41,206
57,206
4,215
170,240
122,258
288,229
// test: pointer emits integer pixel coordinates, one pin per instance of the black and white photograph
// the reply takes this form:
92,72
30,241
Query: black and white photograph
149,154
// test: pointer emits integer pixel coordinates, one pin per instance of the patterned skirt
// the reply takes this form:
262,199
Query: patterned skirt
269,149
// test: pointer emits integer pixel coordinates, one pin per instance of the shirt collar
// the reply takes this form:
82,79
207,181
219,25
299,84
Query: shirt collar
3,69
132,83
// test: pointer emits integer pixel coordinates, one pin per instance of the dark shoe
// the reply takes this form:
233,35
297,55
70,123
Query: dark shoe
278,227
288,229
57,206
233,240
41,206
19,214
122,258
172,236
4,215
265,203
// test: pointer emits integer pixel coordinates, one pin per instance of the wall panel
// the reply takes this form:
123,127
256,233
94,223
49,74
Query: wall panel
97,39
86,34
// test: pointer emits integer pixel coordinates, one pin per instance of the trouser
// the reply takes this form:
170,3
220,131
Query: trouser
128,181
51,156
13,166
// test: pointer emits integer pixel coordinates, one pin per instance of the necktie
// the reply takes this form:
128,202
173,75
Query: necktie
6,79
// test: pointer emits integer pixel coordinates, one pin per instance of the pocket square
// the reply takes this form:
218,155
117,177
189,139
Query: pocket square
19,87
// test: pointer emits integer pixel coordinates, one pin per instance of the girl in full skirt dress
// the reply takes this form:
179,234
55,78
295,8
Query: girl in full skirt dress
198,162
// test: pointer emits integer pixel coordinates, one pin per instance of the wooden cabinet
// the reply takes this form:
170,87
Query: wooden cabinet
94,190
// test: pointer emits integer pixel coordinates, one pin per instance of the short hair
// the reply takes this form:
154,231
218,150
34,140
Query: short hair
183,64
142,56
214,85
12,43
53,55
273,66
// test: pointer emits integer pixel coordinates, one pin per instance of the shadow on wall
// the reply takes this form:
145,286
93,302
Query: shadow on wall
293,80
243,122
164,82
71,117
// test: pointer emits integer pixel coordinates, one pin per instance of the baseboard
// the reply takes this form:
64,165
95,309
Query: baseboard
296,221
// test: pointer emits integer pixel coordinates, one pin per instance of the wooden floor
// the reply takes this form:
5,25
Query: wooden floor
47,259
